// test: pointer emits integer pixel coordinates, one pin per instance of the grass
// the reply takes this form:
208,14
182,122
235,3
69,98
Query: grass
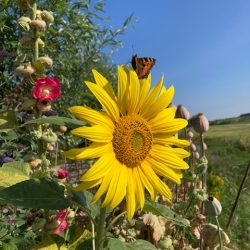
228,155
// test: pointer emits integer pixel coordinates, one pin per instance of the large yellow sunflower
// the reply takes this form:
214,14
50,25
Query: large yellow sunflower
133,139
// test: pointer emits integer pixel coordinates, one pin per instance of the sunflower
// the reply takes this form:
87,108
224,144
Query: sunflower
132,140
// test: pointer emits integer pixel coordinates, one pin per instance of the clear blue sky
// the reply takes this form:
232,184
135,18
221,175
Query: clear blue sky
201,46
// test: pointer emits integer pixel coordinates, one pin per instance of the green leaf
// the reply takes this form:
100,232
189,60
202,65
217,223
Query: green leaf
84,199
57,121
200,194
13,172
163,210
201,169
8,120
140,244
114,244
36,193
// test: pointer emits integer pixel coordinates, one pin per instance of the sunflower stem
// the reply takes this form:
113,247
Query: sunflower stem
100,232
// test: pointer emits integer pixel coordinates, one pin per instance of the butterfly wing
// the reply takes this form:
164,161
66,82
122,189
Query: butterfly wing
142,65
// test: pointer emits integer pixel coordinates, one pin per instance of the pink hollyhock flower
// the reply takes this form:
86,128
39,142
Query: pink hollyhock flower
47,89
61,220
61,173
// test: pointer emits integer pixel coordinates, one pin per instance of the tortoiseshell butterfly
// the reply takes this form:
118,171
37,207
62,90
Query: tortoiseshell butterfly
142,65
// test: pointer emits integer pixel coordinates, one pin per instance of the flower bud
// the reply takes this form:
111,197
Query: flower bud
204,146
196,155
50,147
45,163
36,163
182,112
47,16
25,70
36,134
27,42
165,243
43,107
212,206
46,61
41,43
193,147
38,24
190,134
49,136
200,123
62,173
63,129
24,23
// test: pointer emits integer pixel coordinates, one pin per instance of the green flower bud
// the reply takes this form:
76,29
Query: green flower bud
200,194
47,16
36,134
165,243
212,206
38,224
45,163
49,136
24,23
41,43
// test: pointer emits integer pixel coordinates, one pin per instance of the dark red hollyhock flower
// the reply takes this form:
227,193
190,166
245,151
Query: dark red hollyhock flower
61,173
47,89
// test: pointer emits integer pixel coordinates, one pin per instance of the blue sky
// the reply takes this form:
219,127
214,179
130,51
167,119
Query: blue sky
201,47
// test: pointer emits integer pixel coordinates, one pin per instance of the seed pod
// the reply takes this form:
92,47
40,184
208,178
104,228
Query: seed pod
38,24
24,23
47,16
46,61
212,206
200,123
190,134
25,70
182,112
193,147
204,146
196,155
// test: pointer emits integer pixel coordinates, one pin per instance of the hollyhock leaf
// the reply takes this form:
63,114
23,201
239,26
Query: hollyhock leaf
140,244
57,121
36,193
113,244
163,210
13,172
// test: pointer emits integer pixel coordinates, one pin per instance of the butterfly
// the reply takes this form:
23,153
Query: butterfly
142,65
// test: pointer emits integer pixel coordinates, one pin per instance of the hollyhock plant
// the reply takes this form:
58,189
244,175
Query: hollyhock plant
47,89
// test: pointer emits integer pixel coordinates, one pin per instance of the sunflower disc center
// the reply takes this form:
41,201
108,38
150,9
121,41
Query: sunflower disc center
132,140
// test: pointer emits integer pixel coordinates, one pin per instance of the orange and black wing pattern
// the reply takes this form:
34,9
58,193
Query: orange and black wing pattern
142,65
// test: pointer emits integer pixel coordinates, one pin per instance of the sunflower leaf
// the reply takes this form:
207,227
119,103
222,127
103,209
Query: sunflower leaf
163,210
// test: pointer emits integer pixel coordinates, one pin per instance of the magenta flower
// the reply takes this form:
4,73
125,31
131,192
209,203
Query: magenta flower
61,173
47,89
61,220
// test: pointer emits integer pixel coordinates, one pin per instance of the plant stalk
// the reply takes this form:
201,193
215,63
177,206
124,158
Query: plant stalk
219,232
100,232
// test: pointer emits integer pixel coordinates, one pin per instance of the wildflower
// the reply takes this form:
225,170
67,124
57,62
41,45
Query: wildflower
62,173
133,139
47,89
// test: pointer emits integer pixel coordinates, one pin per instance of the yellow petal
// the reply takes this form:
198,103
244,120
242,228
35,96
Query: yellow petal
152,96
160,104
105,183
139,188
87,184
134,92
166,155
103,82
145,86
155,181
96,133
122,88
106,101
121,187
146,184
95,150
170,128
162,170
91,116
161,119
170,141
130,197
100,168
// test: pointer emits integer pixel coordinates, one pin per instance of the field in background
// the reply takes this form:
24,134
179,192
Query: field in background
228,155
